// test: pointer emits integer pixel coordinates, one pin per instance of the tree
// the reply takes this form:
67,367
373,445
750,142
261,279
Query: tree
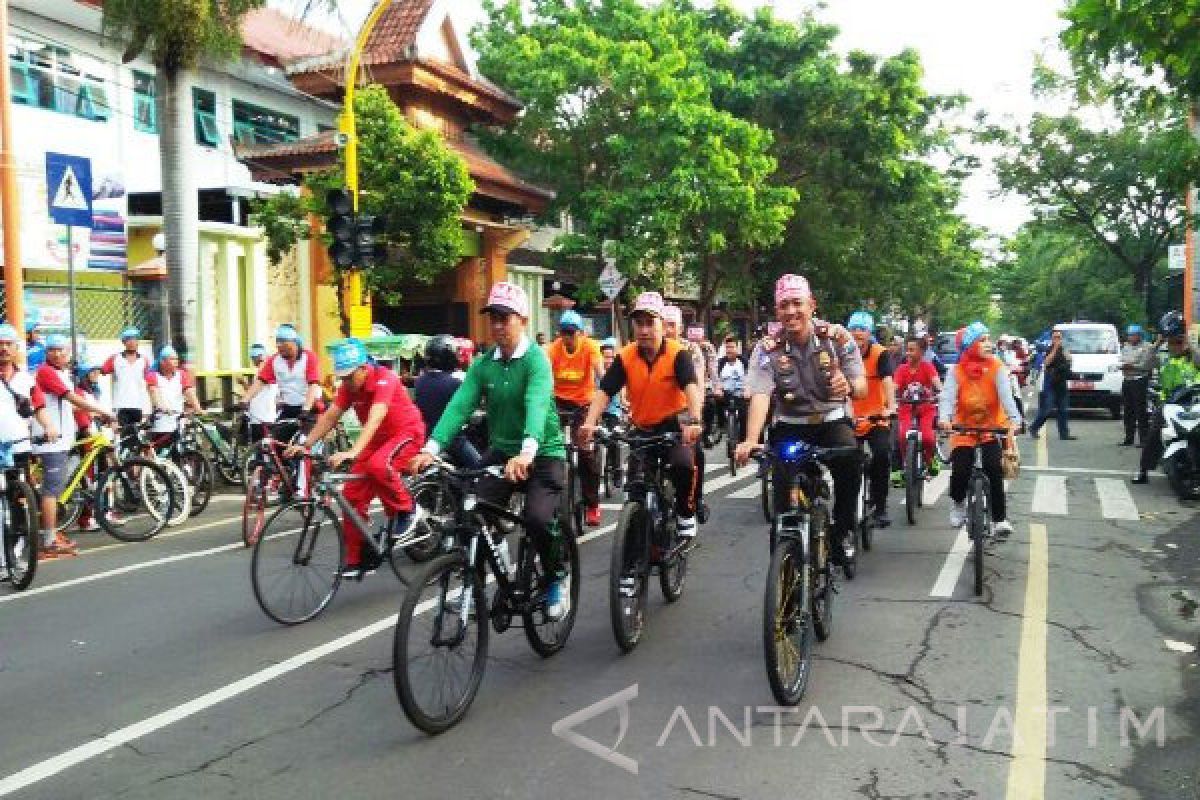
408,177
1153,34
1121,184
177,35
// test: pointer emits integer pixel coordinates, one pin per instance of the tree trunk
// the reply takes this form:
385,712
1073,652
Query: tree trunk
708,290
180,207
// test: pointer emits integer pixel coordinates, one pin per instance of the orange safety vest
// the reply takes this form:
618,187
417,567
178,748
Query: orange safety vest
875,401
574,378
654,395
979,404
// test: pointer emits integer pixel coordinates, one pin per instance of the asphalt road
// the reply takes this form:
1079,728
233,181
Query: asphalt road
148,671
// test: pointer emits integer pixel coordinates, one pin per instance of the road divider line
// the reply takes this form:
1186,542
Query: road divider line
947,579
1050,495
1115,500
1027,770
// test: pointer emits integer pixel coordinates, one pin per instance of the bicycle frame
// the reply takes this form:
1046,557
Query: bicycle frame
98,444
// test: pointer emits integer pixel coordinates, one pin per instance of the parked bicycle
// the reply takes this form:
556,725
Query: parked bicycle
137,442
645,540
801,579
19,518
441,641
979,492
223,447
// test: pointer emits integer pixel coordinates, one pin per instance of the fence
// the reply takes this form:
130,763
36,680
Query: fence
103,312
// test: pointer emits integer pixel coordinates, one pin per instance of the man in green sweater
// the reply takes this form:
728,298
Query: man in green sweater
523,431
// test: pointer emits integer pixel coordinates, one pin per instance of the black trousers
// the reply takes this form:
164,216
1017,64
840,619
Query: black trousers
682,468
879,439
589,473
1133,398
962,459
846,472
1152,445
543,488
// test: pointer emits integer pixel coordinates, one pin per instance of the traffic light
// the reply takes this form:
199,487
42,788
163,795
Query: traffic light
341,227
368,240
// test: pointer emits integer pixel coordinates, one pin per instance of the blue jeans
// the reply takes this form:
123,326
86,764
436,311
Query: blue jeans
1053,400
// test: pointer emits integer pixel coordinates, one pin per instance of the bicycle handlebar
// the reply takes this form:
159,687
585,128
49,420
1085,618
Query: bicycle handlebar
968,430
636,440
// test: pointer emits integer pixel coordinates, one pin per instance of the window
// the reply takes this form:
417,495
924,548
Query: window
257,125
56,79
204,105
145,108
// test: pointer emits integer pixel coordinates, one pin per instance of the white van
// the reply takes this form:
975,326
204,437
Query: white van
1095,365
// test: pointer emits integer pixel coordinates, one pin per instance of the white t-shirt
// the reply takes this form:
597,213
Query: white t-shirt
170,398
56,384
265,405
13,426
292,379
129,381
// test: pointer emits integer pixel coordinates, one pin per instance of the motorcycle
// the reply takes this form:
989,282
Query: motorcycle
1181,442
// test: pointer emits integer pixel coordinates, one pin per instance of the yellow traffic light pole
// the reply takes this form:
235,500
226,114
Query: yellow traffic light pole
359,310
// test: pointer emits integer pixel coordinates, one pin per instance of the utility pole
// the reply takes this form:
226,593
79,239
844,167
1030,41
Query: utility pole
10,201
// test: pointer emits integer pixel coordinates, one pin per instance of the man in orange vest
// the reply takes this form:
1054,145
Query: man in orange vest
879,401
578,366
664,394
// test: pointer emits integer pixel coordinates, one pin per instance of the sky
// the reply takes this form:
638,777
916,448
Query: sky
985,51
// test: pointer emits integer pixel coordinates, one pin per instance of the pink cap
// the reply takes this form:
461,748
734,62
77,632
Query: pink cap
673,314
650,303
791,287
695,333
509,298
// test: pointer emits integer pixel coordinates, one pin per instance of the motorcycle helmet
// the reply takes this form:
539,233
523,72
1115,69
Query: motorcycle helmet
441,352
1172,324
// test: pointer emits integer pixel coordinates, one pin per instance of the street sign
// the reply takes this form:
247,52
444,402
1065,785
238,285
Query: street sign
611,281
69,189
1177,258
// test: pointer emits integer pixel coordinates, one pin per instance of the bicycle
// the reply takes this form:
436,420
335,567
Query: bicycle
223,446
916,471
646,539
712,431
183,449
301,551
611,458
137,442
864,527
733,412
447,610
19,517
801,579
979,493
270,477
572,498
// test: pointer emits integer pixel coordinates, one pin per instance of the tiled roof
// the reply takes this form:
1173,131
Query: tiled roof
483,167
396,31
284,38
323,142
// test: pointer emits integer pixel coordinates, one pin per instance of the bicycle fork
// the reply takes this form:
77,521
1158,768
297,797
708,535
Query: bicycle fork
465,597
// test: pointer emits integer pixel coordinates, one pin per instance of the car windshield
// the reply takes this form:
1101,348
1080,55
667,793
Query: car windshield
1089,340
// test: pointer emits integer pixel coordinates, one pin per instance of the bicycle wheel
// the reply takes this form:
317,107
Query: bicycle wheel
199,471
733,436
978,522
70,511
866,530
20,534
262,483
440,647
627,575
134,500
181,492
672,573
297,563
433,501
822,577
912,479
547,636
788,623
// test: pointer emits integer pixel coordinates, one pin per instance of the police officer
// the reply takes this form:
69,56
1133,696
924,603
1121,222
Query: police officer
1138,360
810,372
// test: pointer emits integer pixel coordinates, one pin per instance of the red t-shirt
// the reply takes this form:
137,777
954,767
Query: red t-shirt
905,376
383,386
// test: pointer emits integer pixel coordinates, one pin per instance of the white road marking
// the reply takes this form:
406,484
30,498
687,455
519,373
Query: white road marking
753,490
937,487
725,480
1115,500
1075,470
1050,495
948,578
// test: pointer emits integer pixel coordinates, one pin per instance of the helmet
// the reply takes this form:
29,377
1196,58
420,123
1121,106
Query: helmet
288,333
130,333
1134,330
1172,324
348,355
861,321
441,352
570,320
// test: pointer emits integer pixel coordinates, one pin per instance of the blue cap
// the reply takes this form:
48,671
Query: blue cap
8,333
609,342
167,352
570,320
130,333
1134,329
288,333
57,340
972,334
257,350
861,321
348,355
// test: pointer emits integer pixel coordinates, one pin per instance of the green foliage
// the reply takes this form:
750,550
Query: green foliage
408,176
177,34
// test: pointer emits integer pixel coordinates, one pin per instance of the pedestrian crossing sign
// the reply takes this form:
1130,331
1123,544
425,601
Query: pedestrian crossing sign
69,189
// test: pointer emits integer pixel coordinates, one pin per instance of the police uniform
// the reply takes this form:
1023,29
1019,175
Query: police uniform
797,376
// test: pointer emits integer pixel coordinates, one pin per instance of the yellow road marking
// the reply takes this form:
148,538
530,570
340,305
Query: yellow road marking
1027,771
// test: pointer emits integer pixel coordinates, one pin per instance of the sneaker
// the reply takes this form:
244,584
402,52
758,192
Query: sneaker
958,515
935,467
1002,528
897,478
65,546
558,598
591,517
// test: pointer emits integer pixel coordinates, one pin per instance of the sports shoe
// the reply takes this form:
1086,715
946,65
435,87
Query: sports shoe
558,598
591,517
958,515
1003,528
